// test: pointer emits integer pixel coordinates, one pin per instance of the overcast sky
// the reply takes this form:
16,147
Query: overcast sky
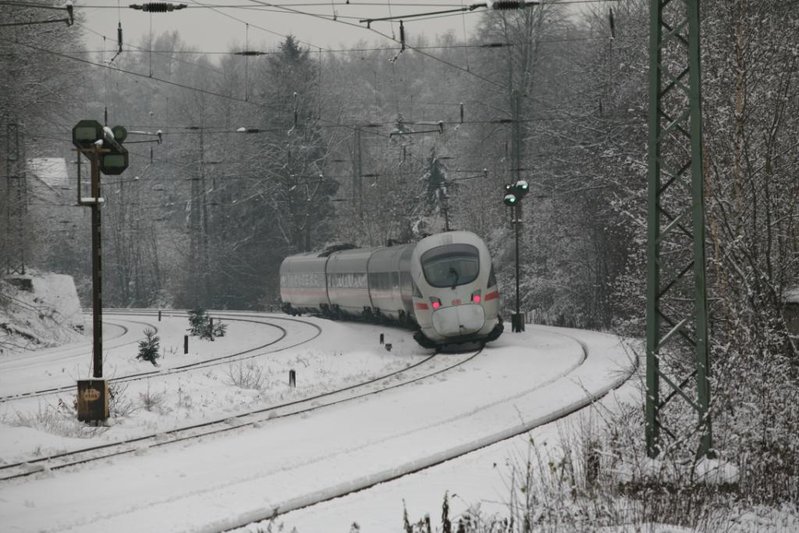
217,29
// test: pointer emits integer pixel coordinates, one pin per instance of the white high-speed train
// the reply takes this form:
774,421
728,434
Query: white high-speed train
443,287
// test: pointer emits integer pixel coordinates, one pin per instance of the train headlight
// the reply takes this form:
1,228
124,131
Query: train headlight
435,303
476,297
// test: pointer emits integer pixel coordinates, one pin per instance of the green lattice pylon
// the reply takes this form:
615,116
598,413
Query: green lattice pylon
677,339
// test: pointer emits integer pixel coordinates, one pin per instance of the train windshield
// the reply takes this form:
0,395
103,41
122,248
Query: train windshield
451,265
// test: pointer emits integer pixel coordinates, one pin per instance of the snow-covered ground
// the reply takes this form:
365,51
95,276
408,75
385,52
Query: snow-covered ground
519,382
343,354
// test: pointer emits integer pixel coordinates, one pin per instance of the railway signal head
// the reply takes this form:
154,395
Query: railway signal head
86,133
115,160
515,192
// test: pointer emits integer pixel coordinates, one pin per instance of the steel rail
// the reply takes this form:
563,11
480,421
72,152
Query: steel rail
222,425
439,459
237,356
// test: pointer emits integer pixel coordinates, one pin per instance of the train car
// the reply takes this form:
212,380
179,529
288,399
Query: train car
457,298
303,285
443,287
390,285
347,283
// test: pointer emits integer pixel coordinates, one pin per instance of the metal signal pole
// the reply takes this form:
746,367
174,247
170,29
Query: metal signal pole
97,268
103,148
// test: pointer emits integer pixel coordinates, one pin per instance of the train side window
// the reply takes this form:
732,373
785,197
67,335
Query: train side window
492,278
416,292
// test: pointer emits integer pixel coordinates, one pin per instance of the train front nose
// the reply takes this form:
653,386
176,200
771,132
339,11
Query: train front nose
458,320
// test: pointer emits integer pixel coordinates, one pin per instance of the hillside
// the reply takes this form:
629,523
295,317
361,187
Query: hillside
38,310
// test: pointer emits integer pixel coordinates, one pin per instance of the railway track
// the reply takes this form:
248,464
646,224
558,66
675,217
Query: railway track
367,482
424,369
253,490
243,355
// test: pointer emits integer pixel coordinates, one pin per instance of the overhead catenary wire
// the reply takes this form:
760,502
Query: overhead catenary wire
199,89
417,49
196,2
387,49
435,58
134,49
136,74
321,3
160,80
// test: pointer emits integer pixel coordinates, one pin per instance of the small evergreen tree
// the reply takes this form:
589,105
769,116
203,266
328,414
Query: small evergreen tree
198,321
149,347
203,325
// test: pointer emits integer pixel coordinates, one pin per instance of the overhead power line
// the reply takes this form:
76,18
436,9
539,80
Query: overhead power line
499,5
137,74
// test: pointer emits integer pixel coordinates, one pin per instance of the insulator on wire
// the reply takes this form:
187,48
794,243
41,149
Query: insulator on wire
119,38
402,35
158,7
505,4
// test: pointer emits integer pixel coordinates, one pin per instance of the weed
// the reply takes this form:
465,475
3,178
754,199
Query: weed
245,376
184,400
119,405
59,420
152,401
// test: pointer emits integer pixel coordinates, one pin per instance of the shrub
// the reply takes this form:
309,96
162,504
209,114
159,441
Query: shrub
149,346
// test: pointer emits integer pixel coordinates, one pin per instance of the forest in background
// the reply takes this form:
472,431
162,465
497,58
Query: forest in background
266,156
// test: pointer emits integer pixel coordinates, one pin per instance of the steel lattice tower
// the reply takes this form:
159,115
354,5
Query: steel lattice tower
677,329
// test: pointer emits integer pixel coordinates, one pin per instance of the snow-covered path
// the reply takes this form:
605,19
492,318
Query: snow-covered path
515,384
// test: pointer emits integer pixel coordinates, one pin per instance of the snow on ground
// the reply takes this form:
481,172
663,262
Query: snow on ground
479,480
39,426
223,482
